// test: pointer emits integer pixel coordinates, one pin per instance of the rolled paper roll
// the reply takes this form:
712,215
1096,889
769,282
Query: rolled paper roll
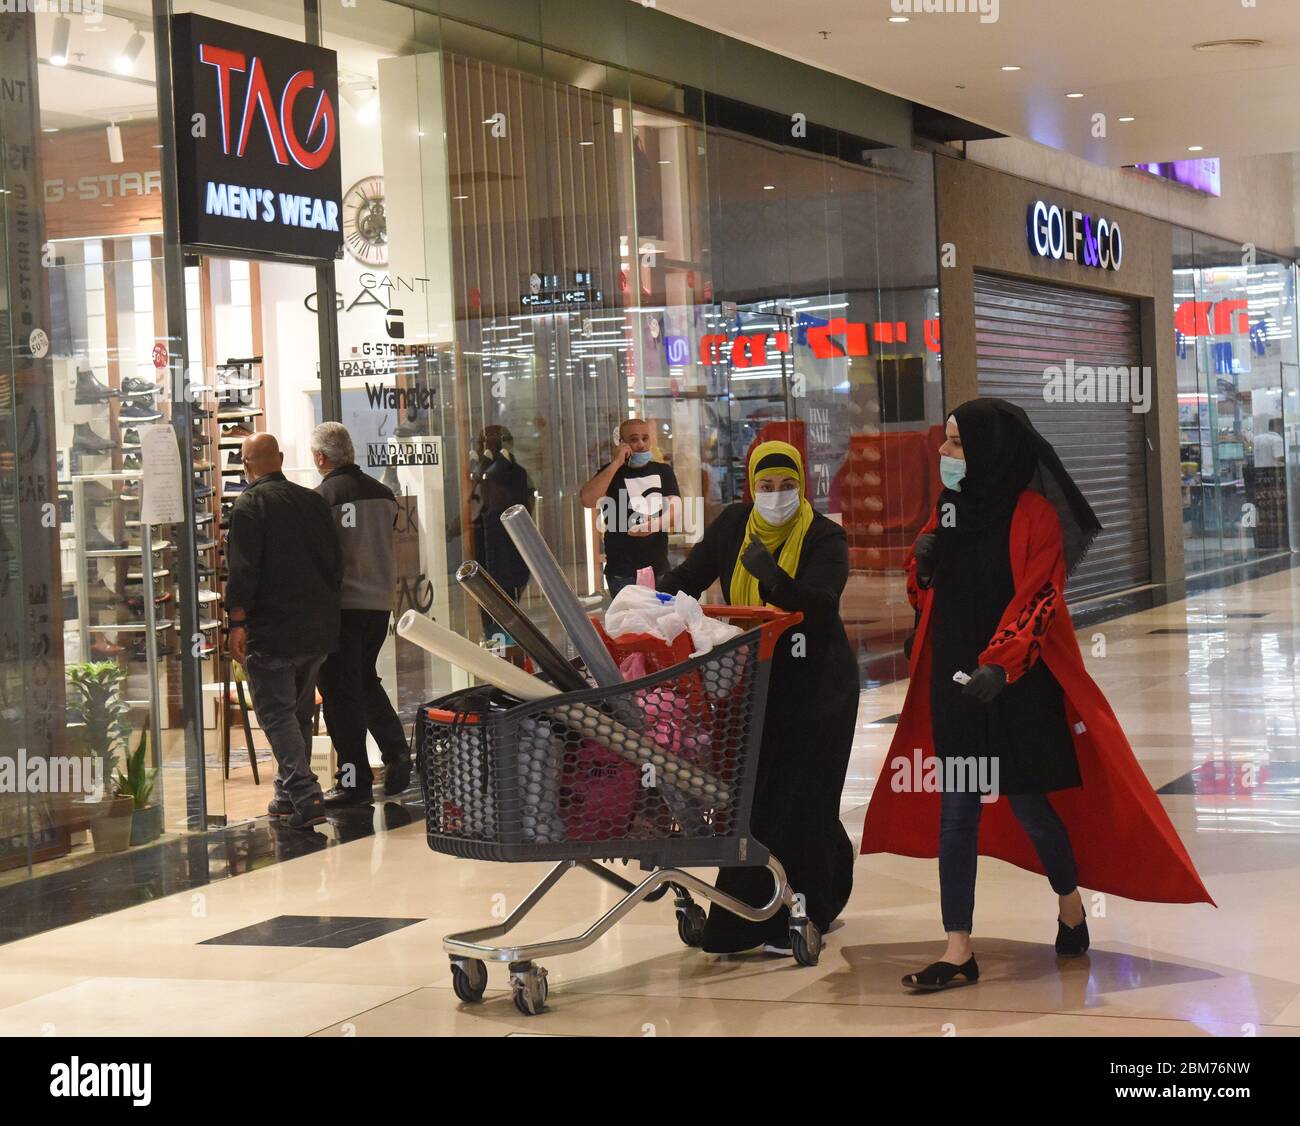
441,642
545,568
503,609
624,741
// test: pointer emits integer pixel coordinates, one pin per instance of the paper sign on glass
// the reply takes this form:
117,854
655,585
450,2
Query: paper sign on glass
161,499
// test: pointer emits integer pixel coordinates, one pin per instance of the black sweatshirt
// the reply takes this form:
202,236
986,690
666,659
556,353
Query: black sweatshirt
286,568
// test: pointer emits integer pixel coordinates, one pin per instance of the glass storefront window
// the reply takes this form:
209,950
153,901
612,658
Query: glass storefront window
1235,335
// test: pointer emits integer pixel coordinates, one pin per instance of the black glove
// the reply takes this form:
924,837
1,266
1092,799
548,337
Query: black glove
926,550
985,684
760,563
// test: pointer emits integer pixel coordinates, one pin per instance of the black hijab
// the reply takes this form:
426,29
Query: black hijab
1004,456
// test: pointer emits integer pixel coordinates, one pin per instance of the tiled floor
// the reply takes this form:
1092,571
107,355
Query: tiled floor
1207,695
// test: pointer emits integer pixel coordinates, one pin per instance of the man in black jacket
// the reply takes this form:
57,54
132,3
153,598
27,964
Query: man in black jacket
282,599
355,701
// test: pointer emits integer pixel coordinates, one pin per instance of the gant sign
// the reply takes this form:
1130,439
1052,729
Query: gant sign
1074,236
257,141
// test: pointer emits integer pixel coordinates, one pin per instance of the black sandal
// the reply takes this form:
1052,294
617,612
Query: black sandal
1072,942
939,975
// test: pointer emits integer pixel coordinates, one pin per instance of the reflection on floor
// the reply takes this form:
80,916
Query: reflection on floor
1213,716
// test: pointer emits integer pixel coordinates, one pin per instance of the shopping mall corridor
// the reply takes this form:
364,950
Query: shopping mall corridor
1205,688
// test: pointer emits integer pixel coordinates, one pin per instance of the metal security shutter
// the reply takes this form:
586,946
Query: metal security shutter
1022,328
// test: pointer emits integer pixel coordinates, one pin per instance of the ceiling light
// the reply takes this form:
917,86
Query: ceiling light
665,162
62,32
769,187
585,143
1127,119
898,19
1195,148
1074,95
1227,44
49,129
1010,68
125,62
114,143
460,197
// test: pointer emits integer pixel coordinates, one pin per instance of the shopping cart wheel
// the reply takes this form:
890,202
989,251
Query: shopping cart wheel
469,979
806,944
690,924
529,983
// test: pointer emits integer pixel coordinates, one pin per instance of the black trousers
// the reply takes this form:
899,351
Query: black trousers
354,700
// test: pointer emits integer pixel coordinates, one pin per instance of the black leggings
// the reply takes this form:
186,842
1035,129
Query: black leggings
959,827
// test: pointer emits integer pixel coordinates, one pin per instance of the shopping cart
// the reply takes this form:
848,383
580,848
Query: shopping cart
659,770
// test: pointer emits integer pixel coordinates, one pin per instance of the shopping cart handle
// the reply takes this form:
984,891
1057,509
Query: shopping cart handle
772,621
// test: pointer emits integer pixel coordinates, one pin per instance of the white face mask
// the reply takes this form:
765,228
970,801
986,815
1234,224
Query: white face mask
777,508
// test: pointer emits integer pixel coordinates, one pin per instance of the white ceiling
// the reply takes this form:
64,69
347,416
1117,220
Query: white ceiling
1127,57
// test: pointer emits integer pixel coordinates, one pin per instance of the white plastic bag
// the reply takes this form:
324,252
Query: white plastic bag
636,609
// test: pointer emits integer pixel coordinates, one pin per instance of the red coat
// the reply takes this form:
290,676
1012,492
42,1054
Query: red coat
1123,841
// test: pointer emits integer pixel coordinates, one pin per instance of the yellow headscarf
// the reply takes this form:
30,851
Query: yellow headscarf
772,459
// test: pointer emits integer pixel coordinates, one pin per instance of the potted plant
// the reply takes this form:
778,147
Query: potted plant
137,784
111,831
95,702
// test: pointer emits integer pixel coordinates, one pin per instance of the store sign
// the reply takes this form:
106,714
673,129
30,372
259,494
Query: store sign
382,454
257,141
551,291
1074,236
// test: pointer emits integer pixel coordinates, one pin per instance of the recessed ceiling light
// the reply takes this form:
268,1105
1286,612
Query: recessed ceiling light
665,162
1128,119
460,197
1195,148
586,142
1010,68
1227,44
769,187
49,129
1074,95
898,19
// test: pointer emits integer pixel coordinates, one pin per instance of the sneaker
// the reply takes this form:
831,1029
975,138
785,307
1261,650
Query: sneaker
131,462
280,807
133,388
238,430
138,412
234,415
397,776
232,487
130,438
96,492
91,390
235,457
86,440
201,491
311,812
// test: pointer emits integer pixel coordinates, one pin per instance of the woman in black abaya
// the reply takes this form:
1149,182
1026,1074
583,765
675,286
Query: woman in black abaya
779,552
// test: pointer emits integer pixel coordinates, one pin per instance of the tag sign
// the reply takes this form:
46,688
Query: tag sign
264,178
1075,236
161,499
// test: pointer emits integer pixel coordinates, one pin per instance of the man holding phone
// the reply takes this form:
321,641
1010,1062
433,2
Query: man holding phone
640,504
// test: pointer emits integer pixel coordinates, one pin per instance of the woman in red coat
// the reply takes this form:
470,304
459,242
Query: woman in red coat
1001,713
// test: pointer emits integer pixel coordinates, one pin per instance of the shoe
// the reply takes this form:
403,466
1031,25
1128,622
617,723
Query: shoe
228,414
138,412
136,605
90,390
204,544
86,441
397,776
96,492
201,491
341,796
104,650
130,438
97,541
1072,942
311,812
231,487
939,975
785,950
204,571
235,457
131,462
133,388
238,430
280,807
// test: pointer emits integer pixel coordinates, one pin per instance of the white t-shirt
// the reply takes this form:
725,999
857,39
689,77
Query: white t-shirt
1268,450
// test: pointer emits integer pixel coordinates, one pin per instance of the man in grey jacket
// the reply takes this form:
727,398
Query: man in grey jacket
353,697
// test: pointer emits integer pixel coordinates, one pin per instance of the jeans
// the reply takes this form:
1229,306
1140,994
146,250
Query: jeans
284,698
959,826
354,700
